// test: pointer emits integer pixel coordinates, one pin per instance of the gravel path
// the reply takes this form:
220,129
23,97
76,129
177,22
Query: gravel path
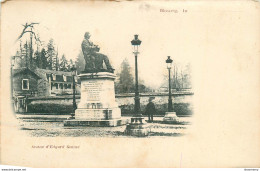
52,126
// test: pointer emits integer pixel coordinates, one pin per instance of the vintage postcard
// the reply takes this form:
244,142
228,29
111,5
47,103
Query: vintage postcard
122,84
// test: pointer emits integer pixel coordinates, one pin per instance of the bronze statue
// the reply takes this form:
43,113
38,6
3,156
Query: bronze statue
93,59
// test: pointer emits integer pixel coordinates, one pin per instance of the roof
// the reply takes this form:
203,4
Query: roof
46,71
46,74
25,70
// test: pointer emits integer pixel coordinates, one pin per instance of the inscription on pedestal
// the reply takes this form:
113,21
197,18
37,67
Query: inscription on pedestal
97,98
92,89
91,114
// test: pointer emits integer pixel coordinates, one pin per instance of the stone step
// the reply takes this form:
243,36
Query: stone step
96,123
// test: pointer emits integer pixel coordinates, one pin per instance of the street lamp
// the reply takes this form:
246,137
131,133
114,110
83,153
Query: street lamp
136,43
170,116
137,127
73,70
169,66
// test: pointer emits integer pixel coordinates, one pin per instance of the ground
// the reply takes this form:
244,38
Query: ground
52,126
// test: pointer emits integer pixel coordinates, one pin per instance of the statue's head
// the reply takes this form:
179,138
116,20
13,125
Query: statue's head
87,35
97,48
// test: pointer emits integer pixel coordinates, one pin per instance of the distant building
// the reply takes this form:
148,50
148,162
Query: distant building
25,82
40,82
55,82
163,89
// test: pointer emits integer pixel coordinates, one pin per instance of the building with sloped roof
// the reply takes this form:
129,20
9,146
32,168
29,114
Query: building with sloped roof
59,82
25,82
42,82
37,82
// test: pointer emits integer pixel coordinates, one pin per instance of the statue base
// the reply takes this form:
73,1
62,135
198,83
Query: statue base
111,70
170,117
97,106
96,123
98,114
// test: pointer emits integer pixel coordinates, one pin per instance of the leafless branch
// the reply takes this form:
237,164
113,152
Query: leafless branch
25,31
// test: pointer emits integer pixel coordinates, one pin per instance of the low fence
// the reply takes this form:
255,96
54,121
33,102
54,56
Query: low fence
182,104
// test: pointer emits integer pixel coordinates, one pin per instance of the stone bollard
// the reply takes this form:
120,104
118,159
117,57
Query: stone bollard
137,127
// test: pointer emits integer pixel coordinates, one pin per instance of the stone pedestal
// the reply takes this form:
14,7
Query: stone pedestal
138,127
170,117
98,106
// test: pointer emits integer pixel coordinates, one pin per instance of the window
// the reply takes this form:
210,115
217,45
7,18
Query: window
64,78
54,77
25,84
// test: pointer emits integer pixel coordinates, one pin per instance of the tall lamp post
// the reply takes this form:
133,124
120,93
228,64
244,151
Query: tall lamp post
170,116
137,127
169,66
136,43
73,70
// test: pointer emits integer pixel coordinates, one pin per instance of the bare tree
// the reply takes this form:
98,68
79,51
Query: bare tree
31,31
29,28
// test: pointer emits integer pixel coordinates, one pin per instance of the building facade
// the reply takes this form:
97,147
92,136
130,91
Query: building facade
55,83
40,83
25,82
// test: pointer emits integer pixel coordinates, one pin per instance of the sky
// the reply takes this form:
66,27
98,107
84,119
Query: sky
112,26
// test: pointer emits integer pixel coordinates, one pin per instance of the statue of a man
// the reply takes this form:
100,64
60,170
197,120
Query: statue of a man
94,60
